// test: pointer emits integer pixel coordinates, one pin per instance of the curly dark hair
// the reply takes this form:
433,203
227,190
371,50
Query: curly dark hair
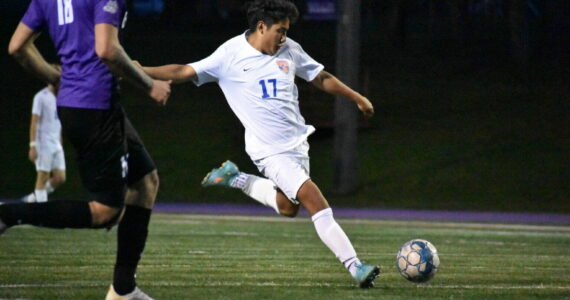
270,12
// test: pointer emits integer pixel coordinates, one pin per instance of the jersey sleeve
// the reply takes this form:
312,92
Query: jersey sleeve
110,12
34,16
37,105
305,66
208,69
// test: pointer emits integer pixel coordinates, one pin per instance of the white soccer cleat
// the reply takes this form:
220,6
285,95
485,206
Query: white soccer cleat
137,294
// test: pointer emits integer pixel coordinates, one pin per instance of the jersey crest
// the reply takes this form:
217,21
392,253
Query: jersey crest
283,66
111,7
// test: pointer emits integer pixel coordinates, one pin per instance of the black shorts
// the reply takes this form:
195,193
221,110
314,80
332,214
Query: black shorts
109,152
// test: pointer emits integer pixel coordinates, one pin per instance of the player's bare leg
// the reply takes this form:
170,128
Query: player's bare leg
40,194
131,237
285,206
57,178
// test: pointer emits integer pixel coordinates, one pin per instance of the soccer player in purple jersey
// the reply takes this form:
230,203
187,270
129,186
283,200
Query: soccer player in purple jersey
113,163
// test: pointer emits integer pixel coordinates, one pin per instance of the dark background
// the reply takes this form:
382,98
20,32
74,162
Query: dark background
472,101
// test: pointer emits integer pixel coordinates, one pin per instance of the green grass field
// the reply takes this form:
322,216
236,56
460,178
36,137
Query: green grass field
230,257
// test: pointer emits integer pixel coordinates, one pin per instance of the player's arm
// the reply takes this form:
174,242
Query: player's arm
111,52
32,153
176,73
23,49
330,84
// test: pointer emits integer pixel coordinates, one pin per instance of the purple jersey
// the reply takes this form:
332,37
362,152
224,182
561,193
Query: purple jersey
86,82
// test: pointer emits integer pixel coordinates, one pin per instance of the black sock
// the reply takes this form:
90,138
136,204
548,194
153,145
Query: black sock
54,214
131,239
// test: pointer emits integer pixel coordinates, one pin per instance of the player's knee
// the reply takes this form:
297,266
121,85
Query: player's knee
289,210
153,182
58,179
143,193
103,216
149,188
290,213
148,185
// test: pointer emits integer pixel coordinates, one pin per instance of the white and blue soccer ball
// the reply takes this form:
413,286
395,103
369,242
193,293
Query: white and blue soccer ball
417,260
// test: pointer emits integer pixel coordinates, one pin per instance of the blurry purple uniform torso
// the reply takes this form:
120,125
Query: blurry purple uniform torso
86,82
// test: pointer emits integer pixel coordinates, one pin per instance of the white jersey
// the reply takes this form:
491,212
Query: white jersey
48,134
261,91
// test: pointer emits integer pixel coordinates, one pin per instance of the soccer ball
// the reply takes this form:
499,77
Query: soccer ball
417,260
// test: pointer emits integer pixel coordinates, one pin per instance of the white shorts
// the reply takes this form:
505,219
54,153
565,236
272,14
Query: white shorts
288,170
50,158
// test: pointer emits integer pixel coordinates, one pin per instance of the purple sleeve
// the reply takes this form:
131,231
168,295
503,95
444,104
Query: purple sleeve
110,12
34,17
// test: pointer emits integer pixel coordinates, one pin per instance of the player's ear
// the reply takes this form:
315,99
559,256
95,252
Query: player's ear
261,27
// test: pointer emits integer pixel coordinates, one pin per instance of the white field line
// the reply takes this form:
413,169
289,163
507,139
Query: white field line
279,284
190,218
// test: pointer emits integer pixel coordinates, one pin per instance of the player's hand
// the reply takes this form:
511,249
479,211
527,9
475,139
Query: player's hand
33,154
160,91
366,107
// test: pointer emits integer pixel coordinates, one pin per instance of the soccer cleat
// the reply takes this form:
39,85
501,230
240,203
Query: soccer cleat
137,294
365,275
222,176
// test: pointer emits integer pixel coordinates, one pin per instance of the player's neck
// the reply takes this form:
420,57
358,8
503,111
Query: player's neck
254,39
51,88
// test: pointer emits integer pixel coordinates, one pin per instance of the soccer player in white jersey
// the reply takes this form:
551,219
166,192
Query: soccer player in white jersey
256,72
46,151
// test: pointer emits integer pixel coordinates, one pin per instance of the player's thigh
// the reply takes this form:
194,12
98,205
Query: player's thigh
141,166
58,162
142,176
45,158
287,171
99,140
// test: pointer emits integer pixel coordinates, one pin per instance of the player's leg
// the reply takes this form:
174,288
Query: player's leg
260,189
40,192
133,229
43,167
59,214
266,192
332,234
57,177
290,171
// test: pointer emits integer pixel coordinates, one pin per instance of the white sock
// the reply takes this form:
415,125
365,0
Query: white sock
30,198
260,189
41,195
49,187
334,237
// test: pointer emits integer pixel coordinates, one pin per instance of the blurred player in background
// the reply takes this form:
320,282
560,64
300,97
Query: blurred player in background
256,72
113,163
46,150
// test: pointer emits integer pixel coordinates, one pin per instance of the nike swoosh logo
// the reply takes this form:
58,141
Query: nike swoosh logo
245,70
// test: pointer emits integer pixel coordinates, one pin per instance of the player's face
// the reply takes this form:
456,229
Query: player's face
274,37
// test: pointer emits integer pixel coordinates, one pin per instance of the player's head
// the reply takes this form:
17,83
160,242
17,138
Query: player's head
271,20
